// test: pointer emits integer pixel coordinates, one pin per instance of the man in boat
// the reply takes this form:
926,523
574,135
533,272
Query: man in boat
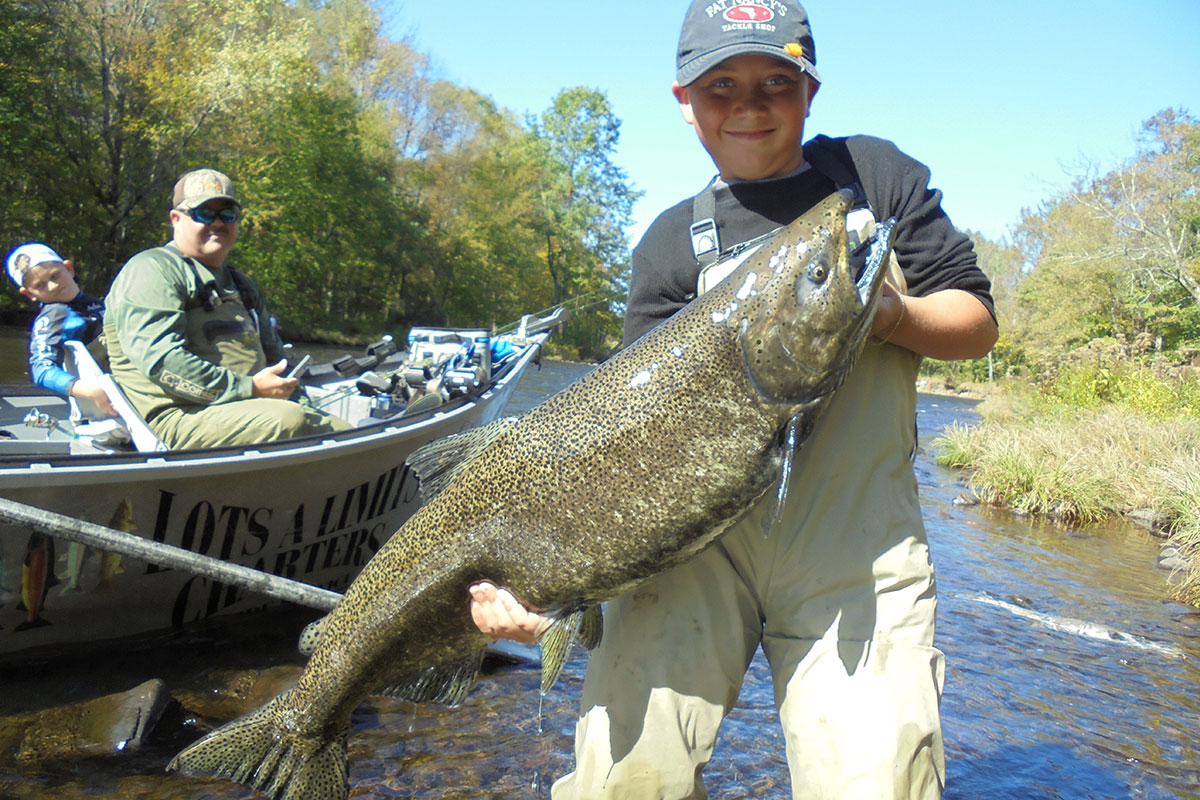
190,339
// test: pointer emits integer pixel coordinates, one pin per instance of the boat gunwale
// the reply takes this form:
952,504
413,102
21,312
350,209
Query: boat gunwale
17,469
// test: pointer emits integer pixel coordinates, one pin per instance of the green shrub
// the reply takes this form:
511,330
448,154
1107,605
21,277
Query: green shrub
1128,387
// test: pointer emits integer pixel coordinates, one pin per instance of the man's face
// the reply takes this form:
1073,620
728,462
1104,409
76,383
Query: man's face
51,282
207,243
749,113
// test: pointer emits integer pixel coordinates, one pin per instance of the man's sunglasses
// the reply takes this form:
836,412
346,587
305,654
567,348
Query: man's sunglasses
206,216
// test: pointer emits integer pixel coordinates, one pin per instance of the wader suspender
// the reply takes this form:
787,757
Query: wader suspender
706,239
209,295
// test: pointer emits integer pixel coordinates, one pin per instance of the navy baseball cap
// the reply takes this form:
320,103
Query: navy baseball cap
715,30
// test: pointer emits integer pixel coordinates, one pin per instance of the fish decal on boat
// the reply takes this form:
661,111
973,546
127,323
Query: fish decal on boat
37,577
625,473
110,563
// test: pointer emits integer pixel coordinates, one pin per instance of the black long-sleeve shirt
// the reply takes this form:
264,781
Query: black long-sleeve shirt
933,254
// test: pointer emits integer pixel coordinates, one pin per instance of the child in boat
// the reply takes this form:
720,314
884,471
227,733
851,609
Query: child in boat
66,314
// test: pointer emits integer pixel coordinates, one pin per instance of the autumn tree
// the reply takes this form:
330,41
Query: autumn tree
1119,253
122,93
586,205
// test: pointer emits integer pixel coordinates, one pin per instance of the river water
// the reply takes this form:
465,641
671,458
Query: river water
1068,676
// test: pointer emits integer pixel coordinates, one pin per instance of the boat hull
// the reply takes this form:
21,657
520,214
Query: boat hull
315,510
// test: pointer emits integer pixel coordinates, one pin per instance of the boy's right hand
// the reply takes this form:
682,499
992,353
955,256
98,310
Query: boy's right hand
498,614
84,389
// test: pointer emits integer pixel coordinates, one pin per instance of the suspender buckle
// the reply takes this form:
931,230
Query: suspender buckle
705,238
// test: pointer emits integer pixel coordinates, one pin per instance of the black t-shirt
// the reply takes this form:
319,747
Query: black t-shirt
932,253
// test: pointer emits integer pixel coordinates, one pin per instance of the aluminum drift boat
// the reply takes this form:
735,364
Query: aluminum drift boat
313,509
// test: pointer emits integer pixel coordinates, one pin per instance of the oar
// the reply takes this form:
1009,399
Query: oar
167,555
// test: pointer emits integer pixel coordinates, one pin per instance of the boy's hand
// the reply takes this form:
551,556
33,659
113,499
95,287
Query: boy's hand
84,389
498,614
887,312
269,382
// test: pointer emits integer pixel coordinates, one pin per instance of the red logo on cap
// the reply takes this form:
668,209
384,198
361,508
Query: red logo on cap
748,13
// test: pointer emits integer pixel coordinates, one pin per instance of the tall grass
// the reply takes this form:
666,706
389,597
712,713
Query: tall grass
1182,479
1036,453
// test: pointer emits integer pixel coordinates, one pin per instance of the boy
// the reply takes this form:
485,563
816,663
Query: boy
67,314
841,596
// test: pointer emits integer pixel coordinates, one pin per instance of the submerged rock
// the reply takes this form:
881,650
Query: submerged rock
105,726
232,693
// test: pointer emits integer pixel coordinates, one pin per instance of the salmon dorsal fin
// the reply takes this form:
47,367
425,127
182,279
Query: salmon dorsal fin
438,463
446,683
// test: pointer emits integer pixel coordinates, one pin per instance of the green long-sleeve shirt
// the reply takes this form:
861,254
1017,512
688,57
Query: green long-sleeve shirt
182,334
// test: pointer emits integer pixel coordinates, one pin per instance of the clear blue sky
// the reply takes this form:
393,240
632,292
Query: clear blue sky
1003,102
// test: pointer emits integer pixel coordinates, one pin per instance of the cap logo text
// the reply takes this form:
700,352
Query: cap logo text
744,12
747,10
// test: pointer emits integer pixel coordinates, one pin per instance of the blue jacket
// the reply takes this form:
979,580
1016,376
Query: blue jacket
81,320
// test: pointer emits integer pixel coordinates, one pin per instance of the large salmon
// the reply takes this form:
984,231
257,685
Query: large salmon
625,473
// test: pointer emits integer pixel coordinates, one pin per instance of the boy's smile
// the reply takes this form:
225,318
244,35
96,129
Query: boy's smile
749,113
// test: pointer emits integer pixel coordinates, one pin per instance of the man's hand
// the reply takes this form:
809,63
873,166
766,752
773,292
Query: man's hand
498,614
269,382
85,389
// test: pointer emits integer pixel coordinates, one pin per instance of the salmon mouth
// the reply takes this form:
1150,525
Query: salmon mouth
870,283
871,280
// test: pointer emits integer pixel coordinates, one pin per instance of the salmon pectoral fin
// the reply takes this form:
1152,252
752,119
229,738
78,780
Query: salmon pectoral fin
255,751
584,626
310,637
446,683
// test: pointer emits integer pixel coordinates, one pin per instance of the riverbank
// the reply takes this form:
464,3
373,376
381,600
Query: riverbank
1085,466
950,388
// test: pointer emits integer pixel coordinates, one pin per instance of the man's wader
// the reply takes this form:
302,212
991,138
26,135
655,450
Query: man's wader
841,596
222,331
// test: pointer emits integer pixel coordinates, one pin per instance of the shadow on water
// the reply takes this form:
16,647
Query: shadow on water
1039,702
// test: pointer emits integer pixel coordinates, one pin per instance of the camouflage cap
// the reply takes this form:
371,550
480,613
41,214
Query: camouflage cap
28,256
201,185
714,30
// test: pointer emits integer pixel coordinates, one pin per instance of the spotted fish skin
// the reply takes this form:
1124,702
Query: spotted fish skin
623,474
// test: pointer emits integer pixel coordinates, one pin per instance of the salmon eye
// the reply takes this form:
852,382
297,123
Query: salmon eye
817,273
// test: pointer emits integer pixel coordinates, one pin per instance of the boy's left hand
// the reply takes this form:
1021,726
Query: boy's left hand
887,311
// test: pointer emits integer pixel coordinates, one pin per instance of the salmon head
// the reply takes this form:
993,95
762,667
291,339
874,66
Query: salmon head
806,327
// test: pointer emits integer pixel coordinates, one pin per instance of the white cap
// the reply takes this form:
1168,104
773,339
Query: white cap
28,256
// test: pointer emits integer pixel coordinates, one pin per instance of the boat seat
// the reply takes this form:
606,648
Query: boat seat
81,362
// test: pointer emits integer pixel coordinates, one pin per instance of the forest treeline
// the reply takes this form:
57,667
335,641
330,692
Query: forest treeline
377,196
1098,291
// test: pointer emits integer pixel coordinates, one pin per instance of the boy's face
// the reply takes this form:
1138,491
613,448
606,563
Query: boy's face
51,282
749,113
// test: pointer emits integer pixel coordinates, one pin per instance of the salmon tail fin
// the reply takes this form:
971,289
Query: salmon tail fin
254,751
